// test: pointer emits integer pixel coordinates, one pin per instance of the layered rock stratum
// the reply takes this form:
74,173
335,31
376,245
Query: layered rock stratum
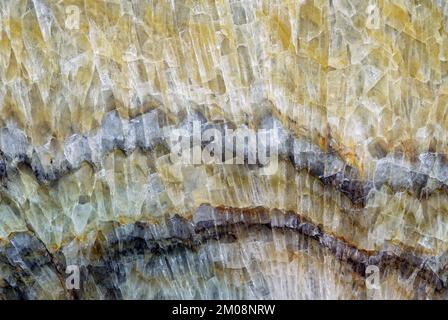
356,92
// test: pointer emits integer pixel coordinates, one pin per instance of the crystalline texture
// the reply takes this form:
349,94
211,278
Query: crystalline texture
91,91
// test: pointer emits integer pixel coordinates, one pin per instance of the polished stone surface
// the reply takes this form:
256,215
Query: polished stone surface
356,92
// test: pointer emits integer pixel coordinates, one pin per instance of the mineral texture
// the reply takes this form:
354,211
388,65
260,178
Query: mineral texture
130,138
